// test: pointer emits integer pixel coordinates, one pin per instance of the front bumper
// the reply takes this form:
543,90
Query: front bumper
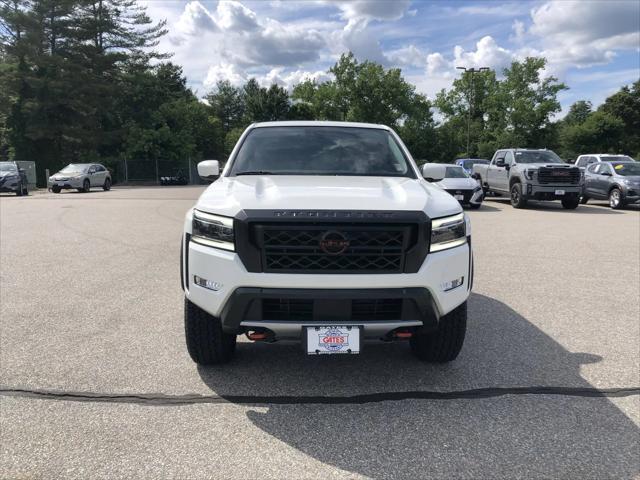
240,292
631,194
9,185
469,196
68,184
548,192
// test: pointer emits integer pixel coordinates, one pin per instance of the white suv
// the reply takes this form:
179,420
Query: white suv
324,233
583,161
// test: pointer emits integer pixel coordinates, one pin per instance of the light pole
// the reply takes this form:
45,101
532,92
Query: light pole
469,102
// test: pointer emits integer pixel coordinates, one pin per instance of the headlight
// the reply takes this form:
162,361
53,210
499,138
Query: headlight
448,232
11,177
213,230
529,174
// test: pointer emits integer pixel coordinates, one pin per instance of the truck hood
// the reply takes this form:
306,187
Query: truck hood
229,195
458,183
550,165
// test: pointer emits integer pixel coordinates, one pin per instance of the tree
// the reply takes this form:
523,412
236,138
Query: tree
69,56
228,104
625,105
516,111
600,132
578,113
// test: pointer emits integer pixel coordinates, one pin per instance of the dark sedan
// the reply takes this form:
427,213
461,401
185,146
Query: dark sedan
618,182
13,179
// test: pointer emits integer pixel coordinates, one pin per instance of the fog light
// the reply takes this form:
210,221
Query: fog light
450,285
208,284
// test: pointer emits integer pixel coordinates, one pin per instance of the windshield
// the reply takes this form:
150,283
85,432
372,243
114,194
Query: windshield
75,168
616,158
537,156
321,151
627,169
455,172
468,164
7,167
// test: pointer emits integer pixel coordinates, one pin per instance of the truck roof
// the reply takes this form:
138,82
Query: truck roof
318,123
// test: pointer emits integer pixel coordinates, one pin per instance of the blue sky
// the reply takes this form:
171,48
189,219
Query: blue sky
593,46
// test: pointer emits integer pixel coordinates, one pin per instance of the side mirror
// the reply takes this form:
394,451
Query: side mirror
209,169
433,172
500,162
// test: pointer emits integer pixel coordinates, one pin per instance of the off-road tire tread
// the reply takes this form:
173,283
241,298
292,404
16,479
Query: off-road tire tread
207,344
522,199
570,205
445,343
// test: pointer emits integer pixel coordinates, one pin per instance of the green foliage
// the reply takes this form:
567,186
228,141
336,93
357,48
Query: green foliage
599,133
227,103
625,105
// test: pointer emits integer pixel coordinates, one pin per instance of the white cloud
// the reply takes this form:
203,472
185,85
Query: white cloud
578,33
437,65
407,56
359,10
234,16
224,71
290,79
518,31
487,54
195,19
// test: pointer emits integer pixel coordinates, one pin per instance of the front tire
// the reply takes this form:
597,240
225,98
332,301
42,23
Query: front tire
86,186
445,343
20,190
107,185
518,200
56,189
475,206
207,343
615,199
571,203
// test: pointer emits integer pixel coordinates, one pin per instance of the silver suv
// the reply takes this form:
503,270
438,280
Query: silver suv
619,182
81,176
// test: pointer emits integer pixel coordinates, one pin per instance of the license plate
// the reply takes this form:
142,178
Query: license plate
559,192
459,197
333,339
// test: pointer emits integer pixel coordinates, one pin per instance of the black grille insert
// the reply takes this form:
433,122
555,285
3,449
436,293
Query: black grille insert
288,309
376,309
559,175
360,248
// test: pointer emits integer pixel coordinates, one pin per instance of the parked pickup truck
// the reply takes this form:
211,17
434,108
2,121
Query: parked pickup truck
530,175
324,233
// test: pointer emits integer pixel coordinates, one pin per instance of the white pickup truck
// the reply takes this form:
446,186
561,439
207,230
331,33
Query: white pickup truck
324,233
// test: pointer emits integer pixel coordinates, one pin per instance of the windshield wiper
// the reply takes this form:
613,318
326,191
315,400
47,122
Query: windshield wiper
254,172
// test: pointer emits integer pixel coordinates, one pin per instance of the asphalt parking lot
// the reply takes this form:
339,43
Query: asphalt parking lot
96,380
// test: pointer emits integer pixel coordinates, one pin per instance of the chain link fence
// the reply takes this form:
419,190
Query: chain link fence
155,172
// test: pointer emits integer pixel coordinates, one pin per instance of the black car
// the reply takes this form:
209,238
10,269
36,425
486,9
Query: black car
13,179
618,182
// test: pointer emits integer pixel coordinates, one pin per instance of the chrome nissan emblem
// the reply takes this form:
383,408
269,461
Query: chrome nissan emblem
333,243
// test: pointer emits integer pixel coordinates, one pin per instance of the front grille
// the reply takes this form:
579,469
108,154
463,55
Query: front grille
296,309
287,309
376,309
561,176
356,248
467,194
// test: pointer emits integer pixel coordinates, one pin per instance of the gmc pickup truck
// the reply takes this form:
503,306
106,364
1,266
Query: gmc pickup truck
324,233
526,174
